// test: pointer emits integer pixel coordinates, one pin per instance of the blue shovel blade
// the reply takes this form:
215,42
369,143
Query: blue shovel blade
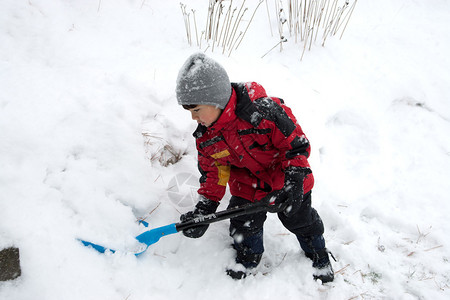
102,249
147,238
152,236
97,247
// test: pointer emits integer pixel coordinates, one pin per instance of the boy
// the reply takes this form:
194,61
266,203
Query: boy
254,144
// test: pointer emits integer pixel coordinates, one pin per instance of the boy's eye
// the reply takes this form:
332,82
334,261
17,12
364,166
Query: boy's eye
196,110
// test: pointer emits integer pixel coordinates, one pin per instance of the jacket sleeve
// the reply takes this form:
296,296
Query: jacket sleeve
286,133
214,178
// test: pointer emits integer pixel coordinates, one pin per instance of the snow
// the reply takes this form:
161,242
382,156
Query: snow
88,107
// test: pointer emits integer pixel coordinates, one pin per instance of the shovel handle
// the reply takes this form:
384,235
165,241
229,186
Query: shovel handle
152,236
223,215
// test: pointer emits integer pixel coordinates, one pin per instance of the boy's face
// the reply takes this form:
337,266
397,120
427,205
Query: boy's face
205,114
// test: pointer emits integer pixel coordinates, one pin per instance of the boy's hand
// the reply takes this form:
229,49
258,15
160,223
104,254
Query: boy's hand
277,201
203,207
194,232
289,199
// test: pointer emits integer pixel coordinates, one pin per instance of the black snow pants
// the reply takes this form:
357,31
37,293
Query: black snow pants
247,230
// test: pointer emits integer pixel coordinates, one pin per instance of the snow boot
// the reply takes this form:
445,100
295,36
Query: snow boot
244,267
236,274
245,262
322,265
314,247
248,255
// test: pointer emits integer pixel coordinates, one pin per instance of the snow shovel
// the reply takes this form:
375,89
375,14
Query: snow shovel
152,236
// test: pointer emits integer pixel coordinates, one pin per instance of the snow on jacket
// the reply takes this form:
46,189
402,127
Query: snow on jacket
251,144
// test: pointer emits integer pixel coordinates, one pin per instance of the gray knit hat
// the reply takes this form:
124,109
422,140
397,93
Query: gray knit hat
202,80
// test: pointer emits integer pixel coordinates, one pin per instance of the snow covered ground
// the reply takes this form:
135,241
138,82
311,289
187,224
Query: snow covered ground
87,104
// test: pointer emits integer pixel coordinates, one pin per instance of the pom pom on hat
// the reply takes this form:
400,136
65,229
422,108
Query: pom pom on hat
202,80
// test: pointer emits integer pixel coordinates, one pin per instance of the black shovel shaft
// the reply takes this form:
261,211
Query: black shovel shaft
223,215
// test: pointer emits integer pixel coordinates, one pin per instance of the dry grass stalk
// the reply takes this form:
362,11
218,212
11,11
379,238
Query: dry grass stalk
248,25
348,19
195,26
440,246
186,22
309,19
342,269
160,150
268,16
283,40
223,25
149,213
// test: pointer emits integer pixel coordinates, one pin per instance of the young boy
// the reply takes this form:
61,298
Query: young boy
254,144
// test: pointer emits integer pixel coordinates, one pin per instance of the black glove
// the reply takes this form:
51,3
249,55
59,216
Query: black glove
289,199
203,207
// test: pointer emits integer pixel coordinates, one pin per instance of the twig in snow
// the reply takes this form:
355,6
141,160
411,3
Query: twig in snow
283,40
421,235
360,273
342,269
159,255
440,246
360,295
148,214
268,15
195,26
249,22
232,46
350,14
157,178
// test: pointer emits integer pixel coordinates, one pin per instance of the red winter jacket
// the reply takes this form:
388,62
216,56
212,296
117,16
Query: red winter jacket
251,144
